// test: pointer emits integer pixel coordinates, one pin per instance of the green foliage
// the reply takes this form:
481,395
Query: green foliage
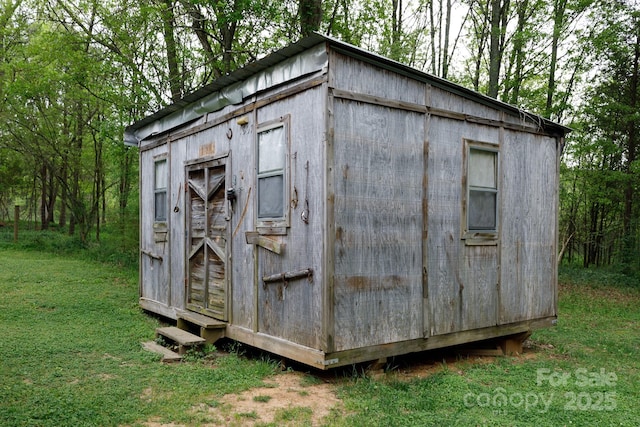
599,213
115,248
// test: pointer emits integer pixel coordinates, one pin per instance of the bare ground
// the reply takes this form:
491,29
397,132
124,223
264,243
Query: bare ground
284,396
291,397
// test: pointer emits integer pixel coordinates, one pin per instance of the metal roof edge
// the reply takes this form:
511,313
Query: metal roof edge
314,39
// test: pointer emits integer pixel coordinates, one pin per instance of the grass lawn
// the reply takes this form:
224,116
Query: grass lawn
584,372
70,355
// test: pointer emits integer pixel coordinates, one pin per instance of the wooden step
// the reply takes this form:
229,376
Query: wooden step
200,320
167,355
182,338
210,329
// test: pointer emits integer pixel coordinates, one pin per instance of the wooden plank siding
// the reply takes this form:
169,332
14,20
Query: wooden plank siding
462,279
378,224
155,243
528,273
291,310
378,175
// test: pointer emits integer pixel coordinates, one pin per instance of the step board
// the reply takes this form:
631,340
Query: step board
200,320
167,355
182,338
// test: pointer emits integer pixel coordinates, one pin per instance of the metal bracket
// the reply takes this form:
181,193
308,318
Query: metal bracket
287,276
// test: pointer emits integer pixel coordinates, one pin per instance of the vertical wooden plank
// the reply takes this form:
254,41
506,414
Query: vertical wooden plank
529,234
293,310
141,167
502,209
170,213
227,236
328,300
426,312
462,278
253,161
378,202
444,212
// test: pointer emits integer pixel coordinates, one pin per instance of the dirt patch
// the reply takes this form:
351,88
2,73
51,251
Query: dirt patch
285,399
293,398
284,395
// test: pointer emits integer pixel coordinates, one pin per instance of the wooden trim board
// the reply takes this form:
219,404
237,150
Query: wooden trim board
322,360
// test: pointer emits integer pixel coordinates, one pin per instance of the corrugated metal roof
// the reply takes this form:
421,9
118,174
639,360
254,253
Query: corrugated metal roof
314,39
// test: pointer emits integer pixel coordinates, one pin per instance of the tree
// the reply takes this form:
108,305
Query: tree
310,15
618,45
604,157
497,31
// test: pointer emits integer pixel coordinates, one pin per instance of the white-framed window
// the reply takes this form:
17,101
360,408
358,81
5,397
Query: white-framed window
482,192
160,189
272,153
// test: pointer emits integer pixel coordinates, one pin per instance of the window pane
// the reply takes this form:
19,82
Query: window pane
271,197
482,210
271,145
161,174
161,206
482,168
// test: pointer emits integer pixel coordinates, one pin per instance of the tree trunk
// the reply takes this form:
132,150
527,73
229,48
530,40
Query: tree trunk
198,25
51,198
559,7
514,78
62,216
168,27
432,35
226,26
124,184
445,48
99,194
310,15
43,198
499,15
481,34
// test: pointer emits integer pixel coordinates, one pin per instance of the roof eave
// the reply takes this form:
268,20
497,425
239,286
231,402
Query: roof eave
550,127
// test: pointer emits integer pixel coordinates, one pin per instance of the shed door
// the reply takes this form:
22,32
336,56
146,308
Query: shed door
207,237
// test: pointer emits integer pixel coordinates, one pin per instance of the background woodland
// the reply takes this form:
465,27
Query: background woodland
74,73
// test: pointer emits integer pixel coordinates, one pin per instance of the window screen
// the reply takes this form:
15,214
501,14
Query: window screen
482,197
160,190
271,171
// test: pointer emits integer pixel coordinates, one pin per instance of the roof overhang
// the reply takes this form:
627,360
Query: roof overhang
303,57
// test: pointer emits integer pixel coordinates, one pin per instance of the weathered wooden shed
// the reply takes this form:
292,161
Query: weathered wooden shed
333,206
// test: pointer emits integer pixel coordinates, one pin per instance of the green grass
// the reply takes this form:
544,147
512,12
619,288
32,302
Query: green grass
70,355
301,415
584,371
71,350
118,245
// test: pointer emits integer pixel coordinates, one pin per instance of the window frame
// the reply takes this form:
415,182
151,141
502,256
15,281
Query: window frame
480,236
160,190
274,225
